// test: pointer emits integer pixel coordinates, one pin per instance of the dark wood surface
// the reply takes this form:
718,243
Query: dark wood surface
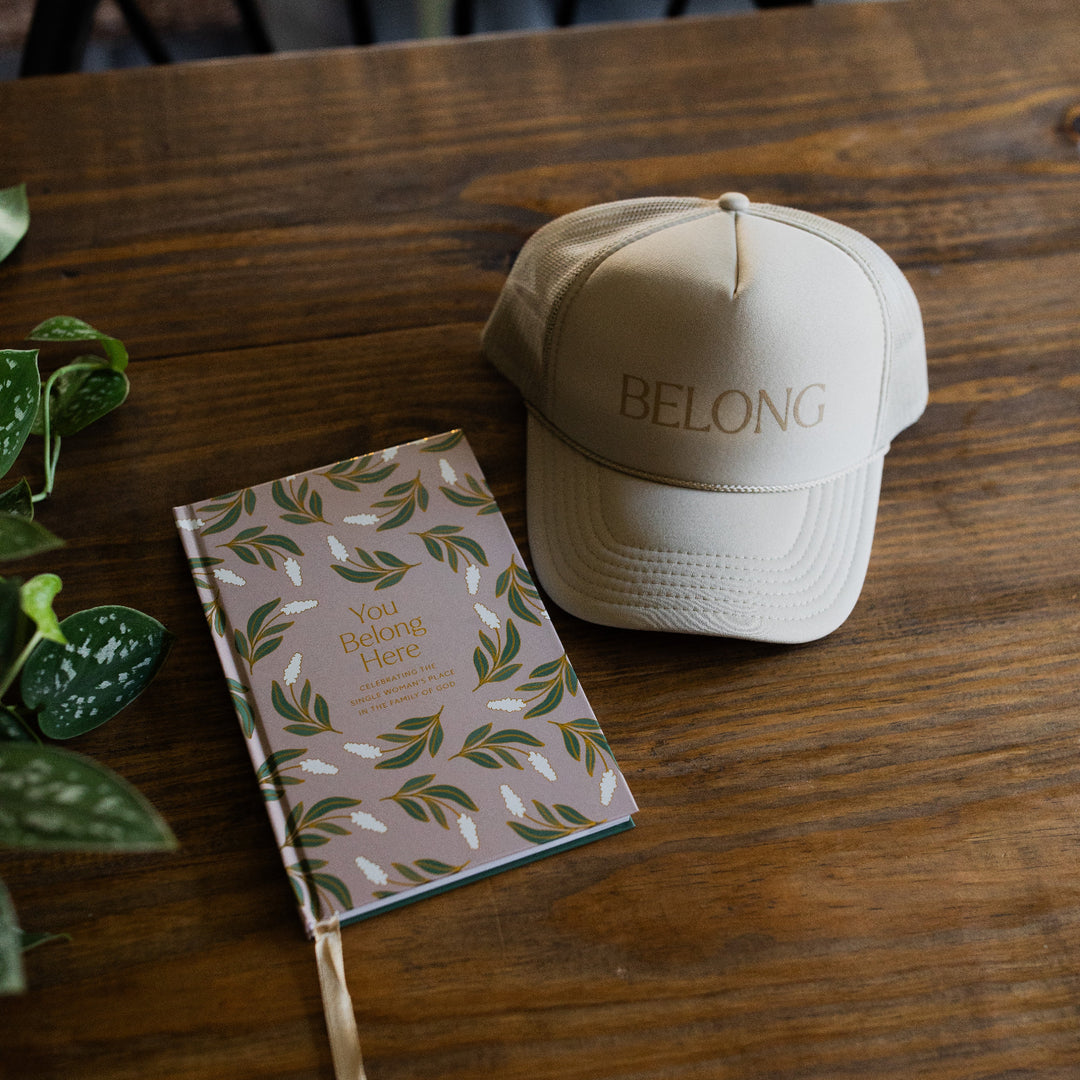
856,858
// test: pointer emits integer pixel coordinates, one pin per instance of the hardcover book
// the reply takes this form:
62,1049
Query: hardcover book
412,717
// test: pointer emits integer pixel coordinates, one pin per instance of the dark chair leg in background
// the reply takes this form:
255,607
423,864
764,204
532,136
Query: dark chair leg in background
461,17
56,40
143,33
363,32
254,28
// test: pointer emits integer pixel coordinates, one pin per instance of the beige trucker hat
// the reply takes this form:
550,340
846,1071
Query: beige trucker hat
712,387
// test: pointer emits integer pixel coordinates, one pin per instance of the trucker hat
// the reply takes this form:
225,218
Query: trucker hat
712,386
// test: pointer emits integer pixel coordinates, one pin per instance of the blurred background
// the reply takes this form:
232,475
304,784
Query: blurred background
50,36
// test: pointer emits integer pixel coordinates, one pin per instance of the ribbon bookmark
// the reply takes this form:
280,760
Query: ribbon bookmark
337,1004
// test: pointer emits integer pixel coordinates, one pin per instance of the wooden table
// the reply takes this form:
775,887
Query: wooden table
856,858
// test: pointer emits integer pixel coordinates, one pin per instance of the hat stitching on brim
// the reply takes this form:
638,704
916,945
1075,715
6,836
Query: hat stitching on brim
625,569
690,485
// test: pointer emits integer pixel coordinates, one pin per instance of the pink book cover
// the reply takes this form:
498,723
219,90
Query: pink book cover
412,717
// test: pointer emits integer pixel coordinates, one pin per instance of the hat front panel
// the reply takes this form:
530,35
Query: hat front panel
728,351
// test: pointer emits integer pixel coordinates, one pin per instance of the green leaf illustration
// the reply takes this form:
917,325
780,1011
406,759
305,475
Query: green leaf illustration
271,773
255,544
447,442
381,567
493,749
225,510
550,680
316,826
493,658
473,494
307,715
263,636
239,693
444,542
18,407
351,475
111,655
404,500
58,800
211,607
303,504
584,736
420,872
551,823
319,890
416,734
516,584
421,797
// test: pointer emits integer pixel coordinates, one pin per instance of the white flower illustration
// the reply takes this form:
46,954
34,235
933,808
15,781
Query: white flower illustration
372,871
337,548
542,766
487,616
321,768
292,672
513,803
360,519
607,786
390,454
366,821
190,524
292,569
228,576
447,471
299,605
363,749
507,704
468,830
472,579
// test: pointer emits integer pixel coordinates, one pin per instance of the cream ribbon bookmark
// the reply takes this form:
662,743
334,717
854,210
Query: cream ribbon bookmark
337,1004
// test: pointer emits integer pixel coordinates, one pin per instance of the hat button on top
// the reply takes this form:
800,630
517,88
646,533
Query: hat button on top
734,200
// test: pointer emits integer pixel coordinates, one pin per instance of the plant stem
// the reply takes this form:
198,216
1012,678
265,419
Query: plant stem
52,442
12,672
52,455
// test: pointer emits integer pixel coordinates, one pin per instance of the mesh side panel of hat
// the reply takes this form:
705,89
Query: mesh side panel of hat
555,260
904,398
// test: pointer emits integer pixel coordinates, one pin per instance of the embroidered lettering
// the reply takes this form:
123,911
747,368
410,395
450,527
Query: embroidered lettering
673,405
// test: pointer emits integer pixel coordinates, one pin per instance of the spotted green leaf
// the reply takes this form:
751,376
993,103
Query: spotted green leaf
111,655
21,387
68,328
20,537
80,393
54,799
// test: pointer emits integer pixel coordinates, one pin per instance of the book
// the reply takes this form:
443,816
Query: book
412,717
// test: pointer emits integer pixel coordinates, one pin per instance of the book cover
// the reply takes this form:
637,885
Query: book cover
412,717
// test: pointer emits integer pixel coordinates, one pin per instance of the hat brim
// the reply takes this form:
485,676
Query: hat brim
621,551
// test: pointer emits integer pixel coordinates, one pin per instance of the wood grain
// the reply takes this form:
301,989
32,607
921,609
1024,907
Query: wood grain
853,858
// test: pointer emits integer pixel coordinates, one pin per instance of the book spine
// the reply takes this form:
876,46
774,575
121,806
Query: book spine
242,699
